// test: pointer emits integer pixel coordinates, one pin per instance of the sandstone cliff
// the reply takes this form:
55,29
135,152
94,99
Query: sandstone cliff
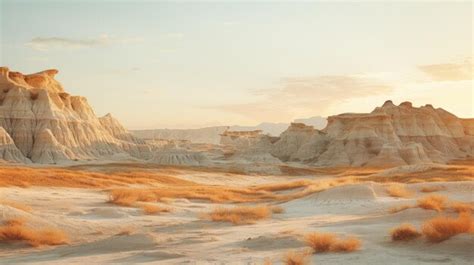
390,135
47,125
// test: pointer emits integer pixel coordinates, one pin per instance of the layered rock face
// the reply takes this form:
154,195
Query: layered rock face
47,125
388,136
202,135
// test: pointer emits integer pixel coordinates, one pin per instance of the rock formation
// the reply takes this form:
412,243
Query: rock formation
203,135
171,154
47,125
388,136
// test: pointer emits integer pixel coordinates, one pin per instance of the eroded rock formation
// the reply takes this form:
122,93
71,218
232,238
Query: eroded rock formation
390,135
47,125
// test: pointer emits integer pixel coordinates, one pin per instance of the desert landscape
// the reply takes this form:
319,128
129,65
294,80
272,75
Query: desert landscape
368,188
323,177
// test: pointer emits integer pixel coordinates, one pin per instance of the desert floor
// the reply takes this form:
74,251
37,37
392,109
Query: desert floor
346,202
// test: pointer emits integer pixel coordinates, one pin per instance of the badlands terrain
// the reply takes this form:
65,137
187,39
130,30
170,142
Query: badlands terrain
393,186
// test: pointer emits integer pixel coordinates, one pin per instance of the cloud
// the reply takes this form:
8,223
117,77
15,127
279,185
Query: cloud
51,43
449,71
301,96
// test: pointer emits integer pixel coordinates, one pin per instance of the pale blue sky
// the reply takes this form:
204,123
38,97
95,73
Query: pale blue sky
174,64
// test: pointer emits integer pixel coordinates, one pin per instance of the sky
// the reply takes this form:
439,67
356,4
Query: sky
175,64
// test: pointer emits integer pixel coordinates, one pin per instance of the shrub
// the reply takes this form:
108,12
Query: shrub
432,188
432,202
153,209
404,232
15,230
442,228
320,242
240,215
460,207
400,208
277,209
398,191
346,245
295,258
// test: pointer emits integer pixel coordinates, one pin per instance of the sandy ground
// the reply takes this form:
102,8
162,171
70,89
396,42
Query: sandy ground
182,237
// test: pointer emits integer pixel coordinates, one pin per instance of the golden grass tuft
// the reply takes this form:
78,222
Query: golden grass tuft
404,232
326,242
433,202
15,230
460,207
320,242
277,209
240,214
346,245
432,189
154,209
400,208
125,231
295,258
442,228
398,191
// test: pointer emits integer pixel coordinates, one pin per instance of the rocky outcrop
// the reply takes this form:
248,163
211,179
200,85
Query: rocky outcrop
47,125
174,155
390,135
8,149
203,135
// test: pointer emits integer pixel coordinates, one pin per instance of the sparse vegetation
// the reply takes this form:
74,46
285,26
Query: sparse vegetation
432,189
460,207
398,191
277,209
15,230
240,215
125,231
400,208
433,202
346,245
442,228
404,232
326,242
296,258
320,242
153,209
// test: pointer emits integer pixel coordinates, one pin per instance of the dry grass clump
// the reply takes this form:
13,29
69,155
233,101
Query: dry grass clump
240,214
17,205
405,232
15,230
295,258
76,178
346,245
433,202
277,209
284,185
400,208
154,209
320,242
125,231
442,228
460,207
325,242
398,191
432,189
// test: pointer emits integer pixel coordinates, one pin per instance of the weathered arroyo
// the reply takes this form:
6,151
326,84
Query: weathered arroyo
41,123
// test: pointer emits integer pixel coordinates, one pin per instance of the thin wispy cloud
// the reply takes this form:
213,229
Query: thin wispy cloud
298,96
52,43
450,71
